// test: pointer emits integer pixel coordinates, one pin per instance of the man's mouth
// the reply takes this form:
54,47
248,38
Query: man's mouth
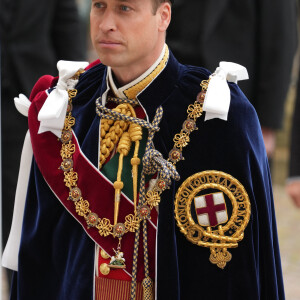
109,43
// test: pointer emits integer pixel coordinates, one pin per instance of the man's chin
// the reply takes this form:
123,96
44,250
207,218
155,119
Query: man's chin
113,61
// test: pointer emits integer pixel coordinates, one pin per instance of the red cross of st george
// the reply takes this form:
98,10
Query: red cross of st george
211,209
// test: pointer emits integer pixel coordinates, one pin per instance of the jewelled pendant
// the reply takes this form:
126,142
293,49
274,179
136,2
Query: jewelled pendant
117,261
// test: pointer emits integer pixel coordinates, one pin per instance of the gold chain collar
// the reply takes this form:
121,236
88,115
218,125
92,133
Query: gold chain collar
132,221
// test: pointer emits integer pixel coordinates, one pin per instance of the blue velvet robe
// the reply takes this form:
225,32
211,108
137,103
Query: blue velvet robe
56,258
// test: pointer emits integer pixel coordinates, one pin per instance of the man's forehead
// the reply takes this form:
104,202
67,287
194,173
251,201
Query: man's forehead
129,1
172,1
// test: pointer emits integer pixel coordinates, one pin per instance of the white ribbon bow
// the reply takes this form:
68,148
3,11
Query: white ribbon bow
10,257
22,104
52,114
217,98
11,251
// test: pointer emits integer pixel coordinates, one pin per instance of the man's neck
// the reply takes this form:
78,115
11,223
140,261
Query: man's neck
125,75
137,85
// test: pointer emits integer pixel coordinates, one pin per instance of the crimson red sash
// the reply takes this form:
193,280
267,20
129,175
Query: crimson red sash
95,187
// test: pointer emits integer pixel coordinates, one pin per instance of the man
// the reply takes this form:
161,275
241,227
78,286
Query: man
137,219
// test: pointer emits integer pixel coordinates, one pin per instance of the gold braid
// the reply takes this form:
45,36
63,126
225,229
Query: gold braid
123,148
111,131
136,134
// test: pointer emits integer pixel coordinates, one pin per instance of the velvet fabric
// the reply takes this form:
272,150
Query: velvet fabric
56,259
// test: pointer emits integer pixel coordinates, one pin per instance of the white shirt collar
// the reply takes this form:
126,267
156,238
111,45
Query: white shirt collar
119,92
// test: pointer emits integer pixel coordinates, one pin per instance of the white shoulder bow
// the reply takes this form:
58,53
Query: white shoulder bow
217,99
52,114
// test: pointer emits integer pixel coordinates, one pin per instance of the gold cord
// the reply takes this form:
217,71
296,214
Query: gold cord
123,148
113,132
136,133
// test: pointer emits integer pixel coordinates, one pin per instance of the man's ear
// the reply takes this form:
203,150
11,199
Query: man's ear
164,14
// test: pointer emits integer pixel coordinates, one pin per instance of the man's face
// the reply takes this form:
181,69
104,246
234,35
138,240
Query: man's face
126,33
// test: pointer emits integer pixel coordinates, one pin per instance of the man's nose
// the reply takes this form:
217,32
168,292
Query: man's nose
108,22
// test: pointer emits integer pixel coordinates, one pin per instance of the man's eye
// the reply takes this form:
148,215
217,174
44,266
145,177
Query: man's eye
98,5
125,8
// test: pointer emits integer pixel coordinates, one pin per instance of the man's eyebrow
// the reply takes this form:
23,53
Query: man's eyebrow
126,0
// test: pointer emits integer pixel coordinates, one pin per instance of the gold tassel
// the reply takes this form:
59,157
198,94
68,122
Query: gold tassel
148,289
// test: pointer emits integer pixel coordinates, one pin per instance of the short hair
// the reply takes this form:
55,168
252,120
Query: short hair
156,4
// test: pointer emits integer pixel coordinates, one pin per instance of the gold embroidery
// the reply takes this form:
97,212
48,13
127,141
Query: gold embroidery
220,257
132,92
218,238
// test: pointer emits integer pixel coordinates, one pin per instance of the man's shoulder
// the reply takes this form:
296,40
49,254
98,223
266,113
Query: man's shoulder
93,64
191,78
192,75
93,75
239,104
241,116
94,70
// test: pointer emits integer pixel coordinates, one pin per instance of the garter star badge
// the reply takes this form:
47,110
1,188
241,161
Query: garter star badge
212,210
